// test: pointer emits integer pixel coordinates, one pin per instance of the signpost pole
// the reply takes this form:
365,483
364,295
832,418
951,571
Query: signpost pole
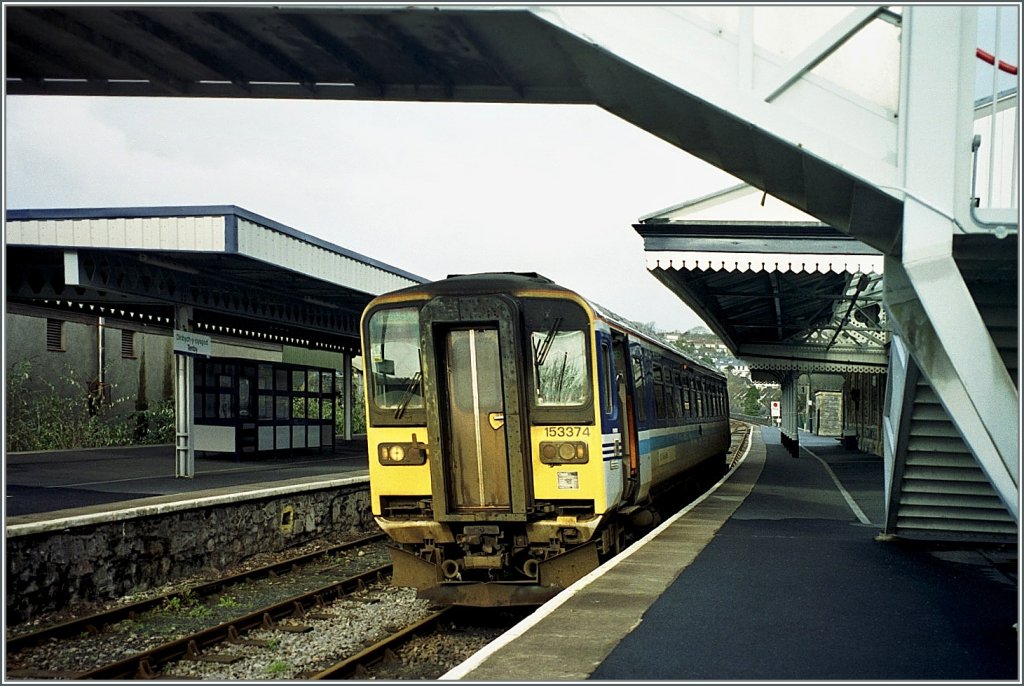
187,346
347,382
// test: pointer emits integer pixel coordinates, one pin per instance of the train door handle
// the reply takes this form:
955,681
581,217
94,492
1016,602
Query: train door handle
496,420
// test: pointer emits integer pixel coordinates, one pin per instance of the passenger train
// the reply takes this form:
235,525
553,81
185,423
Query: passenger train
517,432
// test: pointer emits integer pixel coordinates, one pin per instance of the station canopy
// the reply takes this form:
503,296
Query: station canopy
783,295
242,274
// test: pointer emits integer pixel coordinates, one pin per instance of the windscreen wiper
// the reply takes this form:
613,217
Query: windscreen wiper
407,396
540,352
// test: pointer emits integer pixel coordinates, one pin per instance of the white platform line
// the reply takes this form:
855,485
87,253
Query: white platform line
859,513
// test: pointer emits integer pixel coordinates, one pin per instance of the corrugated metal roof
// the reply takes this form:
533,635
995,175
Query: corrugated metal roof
235,268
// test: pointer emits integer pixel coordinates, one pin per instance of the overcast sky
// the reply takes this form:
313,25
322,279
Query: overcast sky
433,189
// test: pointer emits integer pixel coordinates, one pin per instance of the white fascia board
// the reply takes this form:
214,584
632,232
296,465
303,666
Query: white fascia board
764,262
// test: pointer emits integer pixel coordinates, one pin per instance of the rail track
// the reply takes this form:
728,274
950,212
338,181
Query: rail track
427,648
740,437
284,616
94,623
358,665
168,613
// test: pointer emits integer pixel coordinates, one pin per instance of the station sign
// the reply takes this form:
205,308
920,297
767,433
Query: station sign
189,343
776,408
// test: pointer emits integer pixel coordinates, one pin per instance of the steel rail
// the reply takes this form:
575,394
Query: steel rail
95,622
143,665
356,665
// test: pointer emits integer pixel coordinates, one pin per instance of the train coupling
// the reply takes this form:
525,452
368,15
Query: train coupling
442,582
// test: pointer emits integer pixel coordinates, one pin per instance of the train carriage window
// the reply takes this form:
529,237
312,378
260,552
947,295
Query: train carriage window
659,393
677,403
608,388
394,352
639,384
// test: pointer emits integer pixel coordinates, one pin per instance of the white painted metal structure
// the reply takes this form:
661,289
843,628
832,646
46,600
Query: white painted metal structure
904,125
932,308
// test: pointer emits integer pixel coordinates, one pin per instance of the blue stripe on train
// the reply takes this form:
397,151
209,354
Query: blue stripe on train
658,442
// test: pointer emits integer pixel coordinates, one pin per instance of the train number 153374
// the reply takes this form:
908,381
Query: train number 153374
566,431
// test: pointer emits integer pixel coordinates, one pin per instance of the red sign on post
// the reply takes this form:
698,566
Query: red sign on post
776,408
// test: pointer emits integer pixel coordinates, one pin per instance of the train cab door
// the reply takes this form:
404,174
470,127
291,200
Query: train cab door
477,448
476,427
625,396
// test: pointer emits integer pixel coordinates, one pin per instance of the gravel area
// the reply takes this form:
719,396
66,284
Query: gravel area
184,614
358,621
430,656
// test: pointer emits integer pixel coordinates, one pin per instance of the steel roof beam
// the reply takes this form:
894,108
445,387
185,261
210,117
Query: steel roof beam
186,47
334,46
496,65
146,68
263,50
773,279
409,46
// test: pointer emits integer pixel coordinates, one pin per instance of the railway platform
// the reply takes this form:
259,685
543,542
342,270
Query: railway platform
38,484
779,574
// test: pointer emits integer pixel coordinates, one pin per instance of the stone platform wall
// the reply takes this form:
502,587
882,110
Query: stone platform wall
101,555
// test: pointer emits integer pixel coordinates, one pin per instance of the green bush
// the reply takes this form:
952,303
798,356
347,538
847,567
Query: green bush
43,416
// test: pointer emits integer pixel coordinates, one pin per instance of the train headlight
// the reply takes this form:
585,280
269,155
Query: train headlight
563,452
401,453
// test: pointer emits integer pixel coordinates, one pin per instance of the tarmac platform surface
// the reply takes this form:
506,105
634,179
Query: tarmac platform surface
777,575
39,482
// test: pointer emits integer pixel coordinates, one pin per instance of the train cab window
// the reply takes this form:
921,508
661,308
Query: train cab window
394,351
560,376
558,358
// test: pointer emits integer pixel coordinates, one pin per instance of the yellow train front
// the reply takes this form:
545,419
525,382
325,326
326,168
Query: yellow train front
515,431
